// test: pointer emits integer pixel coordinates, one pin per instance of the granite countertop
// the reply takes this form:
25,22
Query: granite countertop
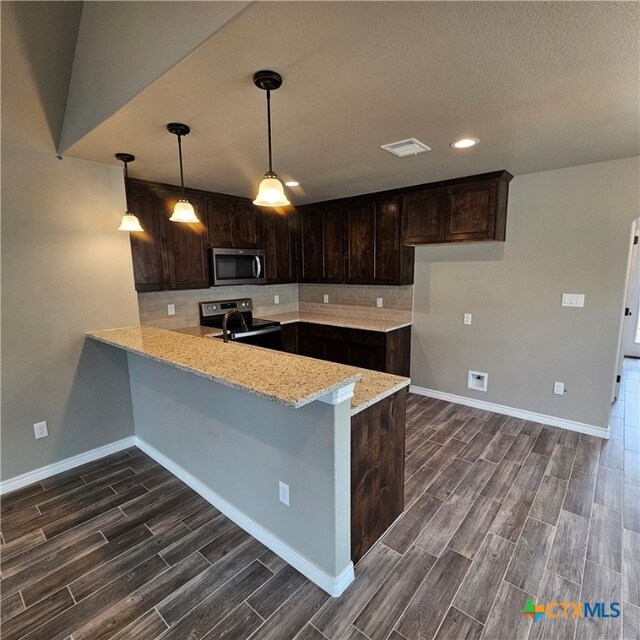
371,388
282,377
351,322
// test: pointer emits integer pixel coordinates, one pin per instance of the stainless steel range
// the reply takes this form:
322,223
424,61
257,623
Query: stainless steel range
236,319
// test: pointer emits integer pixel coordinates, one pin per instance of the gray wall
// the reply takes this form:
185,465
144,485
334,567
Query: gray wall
567,231
65,270
240,446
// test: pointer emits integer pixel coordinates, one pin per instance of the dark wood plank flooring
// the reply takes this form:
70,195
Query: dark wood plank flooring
497,510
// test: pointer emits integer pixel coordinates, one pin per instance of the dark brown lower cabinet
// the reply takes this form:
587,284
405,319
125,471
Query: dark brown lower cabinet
389,352
377,470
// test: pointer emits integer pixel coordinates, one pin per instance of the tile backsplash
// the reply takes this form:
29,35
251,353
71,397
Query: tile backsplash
358,300
353,300
153,306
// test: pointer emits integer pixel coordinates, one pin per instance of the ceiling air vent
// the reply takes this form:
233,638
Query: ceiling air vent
409,147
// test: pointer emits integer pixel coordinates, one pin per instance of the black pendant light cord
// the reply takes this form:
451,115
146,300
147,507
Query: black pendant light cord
126,173
269,130
181,172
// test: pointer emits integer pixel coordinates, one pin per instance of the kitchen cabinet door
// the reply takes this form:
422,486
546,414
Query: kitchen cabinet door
232,222
290,337
471,211
148,249
186,246
219,221
423,216
360,231
311,245
278,244
332,244
244,225
387,241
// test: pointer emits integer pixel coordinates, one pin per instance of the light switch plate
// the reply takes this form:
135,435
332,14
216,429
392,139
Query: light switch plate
379,302
467,318
558,388
573,299
171,309
326,298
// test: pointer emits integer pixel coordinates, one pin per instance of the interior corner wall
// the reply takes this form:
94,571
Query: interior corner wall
568,231
65,270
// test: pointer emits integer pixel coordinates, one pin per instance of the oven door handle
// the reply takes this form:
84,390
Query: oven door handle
259,332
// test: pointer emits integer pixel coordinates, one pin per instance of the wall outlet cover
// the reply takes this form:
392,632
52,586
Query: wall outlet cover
326,298
558,388
467,318
171,309
40,430
379,302
283,492
276,299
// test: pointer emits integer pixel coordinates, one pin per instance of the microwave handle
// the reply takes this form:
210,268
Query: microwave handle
258,269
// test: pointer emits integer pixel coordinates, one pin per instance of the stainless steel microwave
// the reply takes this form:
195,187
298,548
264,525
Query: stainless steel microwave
237,266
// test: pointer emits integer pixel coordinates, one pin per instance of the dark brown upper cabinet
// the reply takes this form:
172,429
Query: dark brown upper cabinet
232,222
321,244
186,245
468,209
423,216
167,255
148,249
374,252
278,242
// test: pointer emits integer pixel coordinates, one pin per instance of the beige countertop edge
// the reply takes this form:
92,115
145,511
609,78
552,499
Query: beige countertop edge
381,396
228,383
366,324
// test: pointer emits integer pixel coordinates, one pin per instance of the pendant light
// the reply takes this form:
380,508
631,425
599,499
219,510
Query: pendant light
129,221
183,211
271,191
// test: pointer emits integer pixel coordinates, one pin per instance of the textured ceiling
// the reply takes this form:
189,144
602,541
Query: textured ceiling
542,85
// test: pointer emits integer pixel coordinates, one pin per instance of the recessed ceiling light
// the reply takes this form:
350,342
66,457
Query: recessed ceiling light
465,143
292,183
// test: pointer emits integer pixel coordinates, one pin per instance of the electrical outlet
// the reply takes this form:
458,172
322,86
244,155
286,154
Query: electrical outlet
558,388
379,303
477,380
326,298
283,490
171,309
40,430
276,299
467,318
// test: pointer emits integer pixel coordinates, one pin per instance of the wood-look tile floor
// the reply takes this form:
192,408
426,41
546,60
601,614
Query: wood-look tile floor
498,510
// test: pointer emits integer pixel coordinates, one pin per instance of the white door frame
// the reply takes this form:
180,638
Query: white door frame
625,320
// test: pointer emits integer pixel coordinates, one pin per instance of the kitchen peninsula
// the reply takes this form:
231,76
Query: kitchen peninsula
236,421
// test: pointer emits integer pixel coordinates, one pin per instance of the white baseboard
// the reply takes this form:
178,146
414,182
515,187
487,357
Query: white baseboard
12,484
572,425
333,585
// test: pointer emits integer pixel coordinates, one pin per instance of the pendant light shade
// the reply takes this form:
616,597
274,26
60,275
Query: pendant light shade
271,191
183,211
129,221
